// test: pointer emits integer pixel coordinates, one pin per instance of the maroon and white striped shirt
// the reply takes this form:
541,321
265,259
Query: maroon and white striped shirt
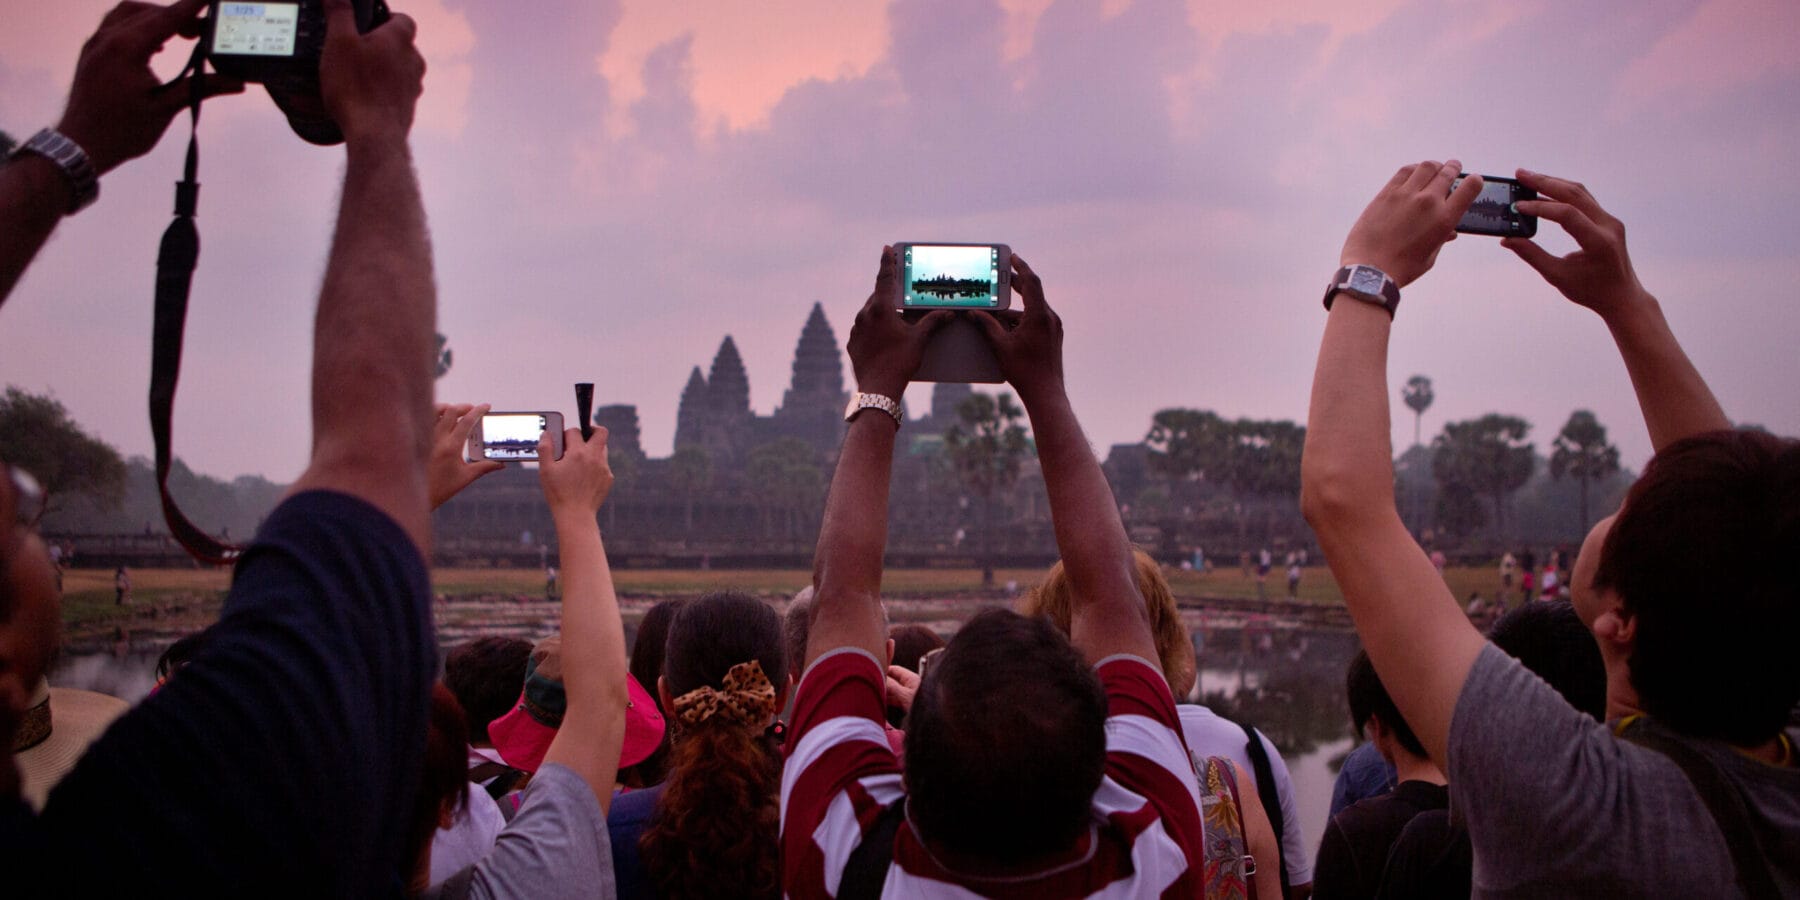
841,774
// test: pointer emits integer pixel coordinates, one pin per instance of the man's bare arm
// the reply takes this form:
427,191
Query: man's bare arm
1421,643
372,344
884,354
117,111
1109,615
1674,398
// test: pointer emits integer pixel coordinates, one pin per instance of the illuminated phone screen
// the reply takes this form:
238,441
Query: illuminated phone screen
511,436
256,29
951,276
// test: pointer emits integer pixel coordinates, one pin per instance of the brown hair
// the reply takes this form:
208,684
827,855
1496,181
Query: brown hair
445,775
1055,600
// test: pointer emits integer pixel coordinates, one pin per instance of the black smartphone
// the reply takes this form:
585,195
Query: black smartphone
1494,211
513,436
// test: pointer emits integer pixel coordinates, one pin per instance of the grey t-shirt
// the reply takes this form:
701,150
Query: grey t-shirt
1557,806
555,846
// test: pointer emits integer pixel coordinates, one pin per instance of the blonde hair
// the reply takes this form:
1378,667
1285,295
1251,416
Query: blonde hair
1055,600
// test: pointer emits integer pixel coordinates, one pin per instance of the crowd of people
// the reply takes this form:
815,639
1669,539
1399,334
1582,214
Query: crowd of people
1629,741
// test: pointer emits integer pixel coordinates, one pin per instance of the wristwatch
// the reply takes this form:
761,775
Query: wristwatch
68,156
1365,283
861,401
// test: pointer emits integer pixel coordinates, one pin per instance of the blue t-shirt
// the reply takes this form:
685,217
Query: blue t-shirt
625,823
284,760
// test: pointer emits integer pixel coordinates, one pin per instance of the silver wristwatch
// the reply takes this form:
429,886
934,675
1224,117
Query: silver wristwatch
1365,283
68,156
861,401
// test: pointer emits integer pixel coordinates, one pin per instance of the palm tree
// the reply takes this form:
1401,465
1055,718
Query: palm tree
1582,451
1418,397
988,447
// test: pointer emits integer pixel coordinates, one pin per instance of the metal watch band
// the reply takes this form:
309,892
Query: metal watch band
1365,283
68,156
862,401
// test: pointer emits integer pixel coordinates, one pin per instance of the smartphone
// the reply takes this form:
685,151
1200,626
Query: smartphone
955,276
1494,211
513,436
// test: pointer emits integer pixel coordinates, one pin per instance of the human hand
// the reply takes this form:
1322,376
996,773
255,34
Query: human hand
118,109
902,686
579,481
446,472
1410,220
1599,275
1030,352
884,348
370,82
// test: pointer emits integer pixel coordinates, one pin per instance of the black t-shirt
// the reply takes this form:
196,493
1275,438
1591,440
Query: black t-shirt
1432,858
284,760
1354,851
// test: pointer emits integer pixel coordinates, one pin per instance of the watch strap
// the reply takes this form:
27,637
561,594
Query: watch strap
862,401
1386,296
84,182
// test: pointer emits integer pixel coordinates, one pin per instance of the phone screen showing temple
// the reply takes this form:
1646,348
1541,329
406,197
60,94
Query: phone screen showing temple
951,276
256,29
1493,211
511,437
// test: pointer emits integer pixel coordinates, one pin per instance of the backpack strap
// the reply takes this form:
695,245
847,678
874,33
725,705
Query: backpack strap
1271,801
866,870
1722,799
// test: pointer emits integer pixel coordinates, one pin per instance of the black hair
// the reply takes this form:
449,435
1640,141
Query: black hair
651,643
1549,639
1006,741
1702,557
486,675
1369,699
912,642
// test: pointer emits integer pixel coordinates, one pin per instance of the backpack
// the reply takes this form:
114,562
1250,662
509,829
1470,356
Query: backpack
1227,865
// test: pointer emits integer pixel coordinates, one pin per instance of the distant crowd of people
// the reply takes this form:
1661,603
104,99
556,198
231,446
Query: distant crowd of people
1627,741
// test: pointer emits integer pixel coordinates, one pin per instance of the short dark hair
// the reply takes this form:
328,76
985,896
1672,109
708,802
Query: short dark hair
1369,699
1702,557
486,675
648,647
443,777
1549,639
912,642
1006,741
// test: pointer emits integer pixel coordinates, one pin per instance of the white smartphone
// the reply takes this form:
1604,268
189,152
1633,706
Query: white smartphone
513,436
955,276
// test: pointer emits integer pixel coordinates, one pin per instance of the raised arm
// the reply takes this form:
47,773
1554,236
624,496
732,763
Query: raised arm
117,111
1416,634
1674,398
593,640
1109,615
372,342
884,353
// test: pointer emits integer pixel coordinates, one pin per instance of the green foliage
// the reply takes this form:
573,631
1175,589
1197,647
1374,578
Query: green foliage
1488,457
1188,444
785,475
1418,394
37,435
1582,452
442,357
690,472
987,445
1458,511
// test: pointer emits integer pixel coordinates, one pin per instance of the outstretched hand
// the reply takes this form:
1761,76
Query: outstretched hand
1599,275
370,82
446,472
884,348
1030,352
580,481
118,109
1410,220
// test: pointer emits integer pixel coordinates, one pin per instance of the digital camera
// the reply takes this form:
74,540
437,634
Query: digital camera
279,45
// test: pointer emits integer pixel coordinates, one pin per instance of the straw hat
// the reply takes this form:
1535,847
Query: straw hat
55,731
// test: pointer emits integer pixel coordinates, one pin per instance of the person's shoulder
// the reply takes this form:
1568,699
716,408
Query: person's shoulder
633,808
325,531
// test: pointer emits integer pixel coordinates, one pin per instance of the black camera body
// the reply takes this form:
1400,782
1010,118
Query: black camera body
279,46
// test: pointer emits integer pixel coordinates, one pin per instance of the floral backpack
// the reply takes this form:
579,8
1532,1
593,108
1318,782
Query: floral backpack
1228,865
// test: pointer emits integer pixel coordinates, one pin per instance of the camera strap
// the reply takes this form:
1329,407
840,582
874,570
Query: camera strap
175,262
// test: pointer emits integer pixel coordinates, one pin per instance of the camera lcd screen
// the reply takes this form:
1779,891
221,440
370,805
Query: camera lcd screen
256,29
952,276
511,436
1493,211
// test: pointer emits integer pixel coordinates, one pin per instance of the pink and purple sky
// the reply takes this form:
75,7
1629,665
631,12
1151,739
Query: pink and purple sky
614,185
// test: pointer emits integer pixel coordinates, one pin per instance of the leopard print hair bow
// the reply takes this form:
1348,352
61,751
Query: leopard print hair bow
746,698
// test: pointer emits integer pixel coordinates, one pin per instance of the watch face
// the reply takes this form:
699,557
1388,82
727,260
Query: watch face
1366,280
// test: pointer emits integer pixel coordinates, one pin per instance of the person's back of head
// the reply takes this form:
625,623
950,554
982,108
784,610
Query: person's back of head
486,675
1369,699
912,642
1549,639
1006,742
651,643
1055,599
1702,559
715,829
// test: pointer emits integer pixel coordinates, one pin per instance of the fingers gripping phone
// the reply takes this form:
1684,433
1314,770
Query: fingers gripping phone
513,436
956,276
1495,212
